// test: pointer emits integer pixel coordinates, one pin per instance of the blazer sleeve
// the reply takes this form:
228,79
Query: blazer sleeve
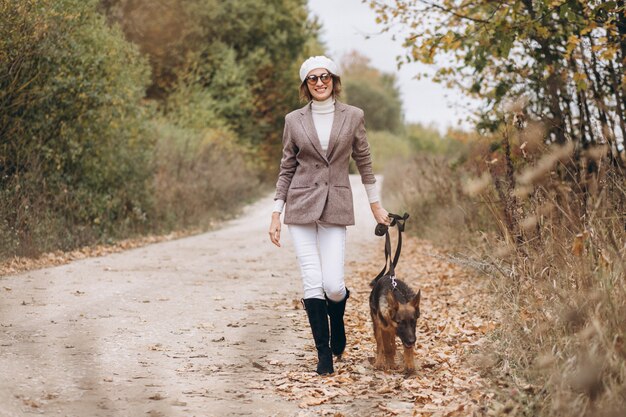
361,152
288,164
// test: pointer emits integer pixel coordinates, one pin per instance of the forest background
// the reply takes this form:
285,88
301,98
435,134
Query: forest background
122,118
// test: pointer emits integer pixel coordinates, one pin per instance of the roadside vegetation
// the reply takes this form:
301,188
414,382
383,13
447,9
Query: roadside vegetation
536,198
122,118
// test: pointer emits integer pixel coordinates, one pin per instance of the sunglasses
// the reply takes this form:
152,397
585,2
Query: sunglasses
325,77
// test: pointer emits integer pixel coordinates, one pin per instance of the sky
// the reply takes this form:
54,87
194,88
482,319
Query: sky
346,25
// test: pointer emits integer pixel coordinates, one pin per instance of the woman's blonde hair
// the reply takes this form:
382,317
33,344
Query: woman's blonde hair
305,94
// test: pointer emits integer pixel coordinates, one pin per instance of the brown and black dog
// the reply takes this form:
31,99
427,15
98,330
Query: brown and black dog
395,310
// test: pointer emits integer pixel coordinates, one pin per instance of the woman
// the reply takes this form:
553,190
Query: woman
314,188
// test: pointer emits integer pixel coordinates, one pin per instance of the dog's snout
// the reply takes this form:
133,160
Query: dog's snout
407,335
409,338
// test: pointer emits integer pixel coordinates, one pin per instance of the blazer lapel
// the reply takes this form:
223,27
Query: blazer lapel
309,128
338,119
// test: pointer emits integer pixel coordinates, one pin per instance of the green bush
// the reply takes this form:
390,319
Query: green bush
427,139
387,148
200,176
75,149
375,92
203,170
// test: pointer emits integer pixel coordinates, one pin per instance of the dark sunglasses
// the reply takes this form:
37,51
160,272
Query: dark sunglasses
325,77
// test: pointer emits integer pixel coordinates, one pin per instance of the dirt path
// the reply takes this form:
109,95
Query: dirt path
210,325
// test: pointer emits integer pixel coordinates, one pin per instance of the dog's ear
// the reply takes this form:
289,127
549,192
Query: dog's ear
415,302
392,302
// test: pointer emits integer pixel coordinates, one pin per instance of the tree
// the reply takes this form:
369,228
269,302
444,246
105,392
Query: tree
375,92
72,125
244,58
566,56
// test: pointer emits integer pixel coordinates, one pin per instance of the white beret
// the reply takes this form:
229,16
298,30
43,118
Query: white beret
319,61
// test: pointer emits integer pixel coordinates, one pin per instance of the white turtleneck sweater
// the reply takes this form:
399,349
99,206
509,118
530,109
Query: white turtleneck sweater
323,115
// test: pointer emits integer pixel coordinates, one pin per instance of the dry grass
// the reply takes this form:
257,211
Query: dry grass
563,288
430,188
556,263
200,177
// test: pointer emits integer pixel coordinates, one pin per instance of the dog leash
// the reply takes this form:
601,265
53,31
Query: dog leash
390,264
392,271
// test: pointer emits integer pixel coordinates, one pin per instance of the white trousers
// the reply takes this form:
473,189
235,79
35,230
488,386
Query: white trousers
320,249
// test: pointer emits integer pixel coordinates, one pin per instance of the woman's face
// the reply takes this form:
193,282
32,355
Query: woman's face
319,89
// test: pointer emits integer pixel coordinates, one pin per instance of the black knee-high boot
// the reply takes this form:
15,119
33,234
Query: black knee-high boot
318,319
337,329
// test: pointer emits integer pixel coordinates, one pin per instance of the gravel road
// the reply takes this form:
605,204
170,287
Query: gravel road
180,328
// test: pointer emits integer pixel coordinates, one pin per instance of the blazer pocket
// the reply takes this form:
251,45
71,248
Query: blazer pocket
342,186
299,187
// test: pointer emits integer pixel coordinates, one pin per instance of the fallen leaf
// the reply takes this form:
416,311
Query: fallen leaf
310,401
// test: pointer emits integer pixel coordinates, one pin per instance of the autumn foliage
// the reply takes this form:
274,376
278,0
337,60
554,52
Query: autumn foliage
536,200
565,56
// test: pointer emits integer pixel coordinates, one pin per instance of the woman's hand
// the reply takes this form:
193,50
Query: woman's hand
275,229
380,214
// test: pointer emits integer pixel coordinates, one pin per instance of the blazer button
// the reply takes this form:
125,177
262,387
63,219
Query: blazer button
316,184
325,183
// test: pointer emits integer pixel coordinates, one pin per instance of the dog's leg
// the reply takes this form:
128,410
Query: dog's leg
379,362
389,339
409,361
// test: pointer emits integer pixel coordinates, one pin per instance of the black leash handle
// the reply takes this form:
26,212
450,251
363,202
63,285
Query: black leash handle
383,229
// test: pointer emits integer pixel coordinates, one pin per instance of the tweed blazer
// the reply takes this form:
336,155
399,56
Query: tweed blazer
314,184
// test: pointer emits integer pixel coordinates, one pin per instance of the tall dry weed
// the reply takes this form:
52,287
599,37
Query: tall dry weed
562,286
557,264
430,187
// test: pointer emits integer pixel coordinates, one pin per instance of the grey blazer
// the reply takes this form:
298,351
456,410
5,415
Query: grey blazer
314,184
